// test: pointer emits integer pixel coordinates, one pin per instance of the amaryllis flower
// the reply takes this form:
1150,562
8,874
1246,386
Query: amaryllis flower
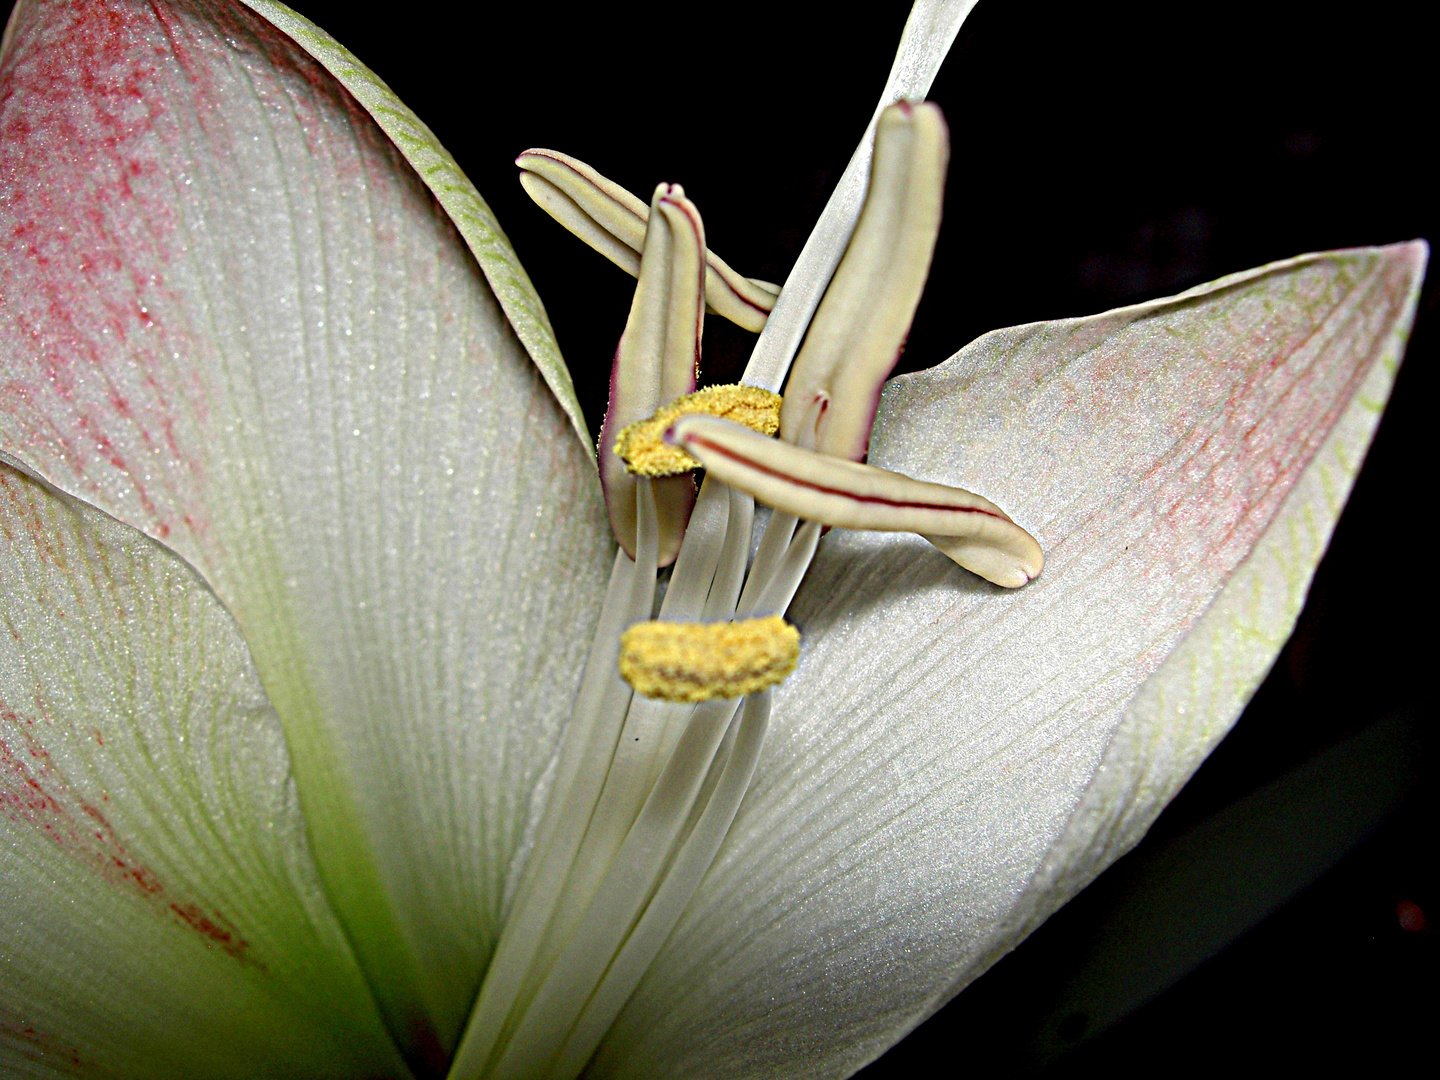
303,558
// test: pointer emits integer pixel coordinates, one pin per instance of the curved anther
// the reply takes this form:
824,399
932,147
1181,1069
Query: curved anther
860,326
657,360
612,221
970,529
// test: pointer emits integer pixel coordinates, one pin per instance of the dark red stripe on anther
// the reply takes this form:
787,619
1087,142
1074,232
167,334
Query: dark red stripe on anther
811,485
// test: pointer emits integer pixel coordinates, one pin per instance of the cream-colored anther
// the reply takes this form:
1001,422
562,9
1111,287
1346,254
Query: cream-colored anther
657,361
700,661
860,325
612,221
642,444
969,528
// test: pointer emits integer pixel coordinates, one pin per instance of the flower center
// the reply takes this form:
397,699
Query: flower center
649,779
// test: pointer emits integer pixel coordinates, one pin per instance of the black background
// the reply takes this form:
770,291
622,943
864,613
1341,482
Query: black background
1103,153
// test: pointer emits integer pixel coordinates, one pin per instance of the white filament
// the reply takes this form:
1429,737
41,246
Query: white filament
643,795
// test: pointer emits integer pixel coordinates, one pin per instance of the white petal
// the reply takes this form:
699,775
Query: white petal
160,906
950,763
234,318
453,190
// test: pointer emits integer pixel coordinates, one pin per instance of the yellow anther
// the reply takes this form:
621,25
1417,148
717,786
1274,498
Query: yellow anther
642,444
699,661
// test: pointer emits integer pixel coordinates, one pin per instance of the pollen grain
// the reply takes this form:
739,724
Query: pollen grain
642,444
699,661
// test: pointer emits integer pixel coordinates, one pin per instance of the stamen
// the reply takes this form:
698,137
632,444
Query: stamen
860,326
699,556
775,540
970,529
656,361
642,444
613,221
675,890
602,925
580,774
729,575
780,587
700,661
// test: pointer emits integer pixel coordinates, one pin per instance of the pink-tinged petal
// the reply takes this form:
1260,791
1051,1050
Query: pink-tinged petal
161,908
612,221
657,361
234,318
969,528
950,763
861,324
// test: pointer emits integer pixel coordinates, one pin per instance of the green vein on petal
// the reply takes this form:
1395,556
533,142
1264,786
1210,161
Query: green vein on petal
247,329
162,905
